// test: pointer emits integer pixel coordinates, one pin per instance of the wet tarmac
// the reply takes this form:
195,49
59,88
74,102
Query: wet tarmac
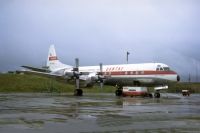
98,113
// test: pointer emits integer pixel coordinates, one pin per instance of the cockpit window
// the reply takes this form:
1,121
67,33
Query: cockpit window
166,68
162,69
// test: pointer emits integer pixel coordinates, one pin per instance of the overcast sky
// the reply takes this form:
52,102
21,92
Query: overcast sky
166,31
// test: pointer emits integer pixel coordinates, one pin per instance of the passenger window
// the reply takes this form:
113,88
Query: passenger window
161,69
131,72
157,69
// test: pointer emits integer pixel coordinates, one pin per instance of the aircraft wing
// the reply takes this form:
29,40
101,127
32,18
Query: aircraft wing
46,74
58,77
36,69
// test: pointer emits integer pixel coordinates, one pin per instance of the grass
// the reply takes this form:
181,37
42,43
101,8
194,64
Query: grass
31,83
35,83
178,87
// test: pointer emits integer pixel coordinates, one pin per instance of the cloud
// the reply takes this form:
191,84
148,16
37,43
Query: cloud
100,31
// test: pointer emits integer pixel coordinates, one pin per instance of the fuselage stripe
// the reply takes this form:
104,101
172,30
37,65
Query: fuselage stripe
115,73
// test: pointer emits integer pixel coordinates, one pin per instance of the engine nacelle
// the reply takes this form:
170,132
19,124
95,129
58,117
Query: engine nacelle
86,80
69,74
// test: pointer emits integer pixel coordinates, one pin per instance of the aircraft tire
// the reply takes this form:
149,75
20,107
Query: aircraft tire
150,95
157,95
78,92
118,92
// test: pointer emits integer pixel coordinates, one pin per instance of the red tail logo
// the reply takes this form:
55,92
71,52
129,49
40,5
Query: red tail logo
51,58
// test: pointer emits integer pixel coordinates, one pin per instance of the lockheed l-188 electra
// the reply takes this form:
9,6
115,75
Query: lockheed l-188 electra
143,74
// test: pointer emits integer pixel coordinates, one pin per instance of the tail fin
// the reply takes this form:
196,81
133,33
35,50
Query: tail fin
52,61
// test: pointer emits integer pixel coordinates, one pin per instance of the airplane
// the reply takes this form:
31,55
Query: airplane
143,74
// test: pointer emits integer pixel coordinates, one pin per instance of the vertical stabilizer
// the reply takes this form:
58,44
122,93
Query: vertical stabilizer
52,61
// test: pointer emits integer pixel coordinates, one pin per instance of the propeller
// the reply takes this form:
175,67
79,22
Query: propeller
76,72
100,75
76,75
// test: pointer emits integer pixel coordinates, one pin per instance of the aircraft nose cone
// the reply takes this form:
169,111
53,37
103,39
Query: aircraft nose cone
178,78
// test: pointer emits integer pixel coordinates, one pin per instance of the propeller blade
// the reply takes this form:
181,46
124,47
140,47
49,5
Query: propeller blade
101,67
77,63
101,85
101,75
77,83
76,70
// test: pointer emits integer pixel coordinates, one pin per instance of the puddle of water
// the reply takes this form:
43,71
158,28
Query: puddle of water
98,113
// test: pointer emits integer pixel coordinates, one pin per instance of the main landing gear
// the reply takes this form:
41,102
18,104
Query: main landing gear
78,92
118,92
157,94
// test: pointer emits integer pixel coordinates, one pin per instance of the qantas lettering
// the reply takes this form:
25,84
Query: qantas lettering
114,69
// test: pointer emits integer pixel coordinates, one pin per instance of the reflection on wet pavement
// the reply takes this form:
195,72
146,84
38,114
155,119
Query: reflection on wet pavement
45,113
